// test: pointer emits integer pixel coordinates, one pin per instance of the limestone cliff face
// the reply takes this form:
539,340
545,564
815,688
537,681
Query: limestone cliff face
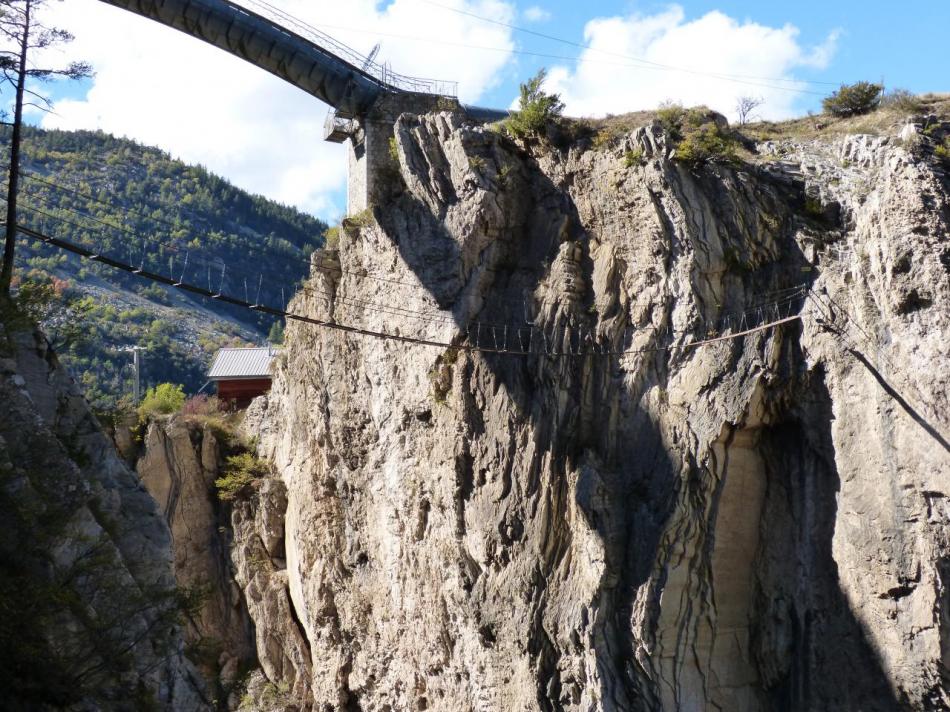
758,523
180,462
90,609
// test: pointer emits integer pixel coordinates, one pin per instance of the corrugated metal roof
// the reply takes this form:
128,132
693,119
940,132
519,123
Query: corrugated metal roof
242,363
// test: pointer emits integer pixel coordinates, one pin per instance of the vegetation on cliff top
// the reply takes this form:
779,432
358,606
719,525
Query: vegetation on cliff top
536,108
853,99
883,117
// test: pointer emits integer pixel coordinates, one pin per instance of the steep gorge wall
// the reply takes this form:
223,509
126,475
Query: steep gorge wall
182,457
89,605
755,524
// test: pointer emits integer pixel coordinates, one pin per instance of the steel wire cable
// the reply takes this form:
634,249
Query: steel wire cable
440,317
518,330
84,252
287,258
432,317
851,321
217,263
175,247
428,316
386,308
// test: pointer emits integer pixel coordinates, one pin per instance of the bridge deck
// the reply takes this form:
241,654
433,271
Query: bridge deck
264,36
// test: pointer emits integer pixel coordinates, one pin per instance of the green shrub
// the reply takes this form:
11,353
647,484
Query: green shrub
210,412
677,120
903,101
813,207
51,303
238,474
331,238
853,99
393,150
163,399
363,218
671,118
536,108
503,174
633,158
943,151
696,136
601,140
276,333
705,144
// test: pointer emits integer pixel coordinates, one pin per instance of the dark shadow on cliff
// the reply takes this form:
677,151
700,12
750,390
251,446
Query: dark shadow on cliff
810,649
627,479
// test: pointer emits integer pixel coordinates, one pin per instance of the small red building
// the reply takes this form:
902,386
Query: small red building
242,374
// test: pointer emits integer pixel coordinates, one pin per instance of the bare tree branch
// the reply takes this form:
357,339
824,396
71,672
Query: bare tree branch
745,105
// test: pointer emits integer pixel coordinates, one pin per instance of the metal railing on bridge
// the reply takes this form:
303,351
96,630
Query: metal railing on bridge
382,73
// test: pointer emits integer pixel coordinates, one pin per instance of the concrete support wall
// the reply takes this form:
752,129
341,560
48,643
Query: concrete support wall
356,173
368,147
367,151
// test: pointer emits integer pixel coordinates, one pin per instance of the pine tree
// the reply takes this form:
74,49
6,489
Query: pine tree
22,34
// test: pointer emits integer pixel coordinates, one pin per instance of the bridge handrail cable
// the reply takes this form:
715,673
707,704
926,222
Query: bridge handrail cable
381,73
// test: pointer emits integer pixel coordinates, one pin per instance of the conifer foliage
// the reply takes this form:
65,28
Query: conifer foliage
535,107
853,99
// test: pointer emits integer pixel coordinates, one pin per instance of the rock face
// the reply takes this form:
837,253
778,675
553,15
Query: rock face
757,523
283,650
181,460
90,610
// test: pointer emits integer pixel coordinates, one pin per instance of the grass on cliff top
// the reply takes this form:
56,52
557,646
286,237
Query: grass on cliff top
604,131
880,121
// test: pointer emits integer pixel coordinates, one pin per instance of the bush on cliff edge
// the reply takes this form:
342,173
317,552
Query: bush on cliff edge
535,108
853,99
163,399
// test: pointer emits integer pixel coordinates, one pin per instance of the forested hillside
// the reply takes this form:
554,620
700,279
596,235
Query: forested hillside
137,203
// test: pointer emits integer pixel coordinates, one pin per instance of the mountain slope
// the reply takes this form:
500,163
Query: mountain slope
137,202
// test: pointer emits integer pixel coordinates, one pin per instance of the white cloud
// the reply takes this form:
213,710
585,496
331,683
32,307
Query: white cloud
167,89
536,13
758,59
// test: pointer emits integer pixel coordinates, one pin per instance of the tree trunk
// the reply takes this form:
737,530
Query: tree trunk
6,276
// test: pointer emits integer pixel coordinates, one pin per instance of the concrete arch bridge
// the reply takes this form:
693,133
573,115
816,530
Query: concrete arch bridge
365,97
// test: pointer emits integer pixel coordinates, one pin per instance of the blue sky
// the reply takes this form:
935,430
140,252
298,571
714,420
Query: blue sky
905,44
198,103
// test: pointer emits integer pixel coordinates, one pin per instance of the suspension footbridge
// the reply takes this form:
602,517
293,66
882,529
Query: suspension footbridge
179,265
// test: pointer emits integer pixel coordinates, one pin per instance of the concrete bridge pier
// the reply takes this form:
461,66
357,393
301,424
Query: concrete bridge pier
367,148
368,139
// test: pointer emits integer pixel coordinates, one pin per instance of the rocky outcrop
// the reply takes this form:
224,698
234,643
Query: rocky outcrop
182,459
90,606
756,523
283,650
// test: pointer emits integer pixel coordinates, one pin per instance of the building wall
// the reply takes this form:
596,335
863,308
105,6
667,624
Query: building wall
243,391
